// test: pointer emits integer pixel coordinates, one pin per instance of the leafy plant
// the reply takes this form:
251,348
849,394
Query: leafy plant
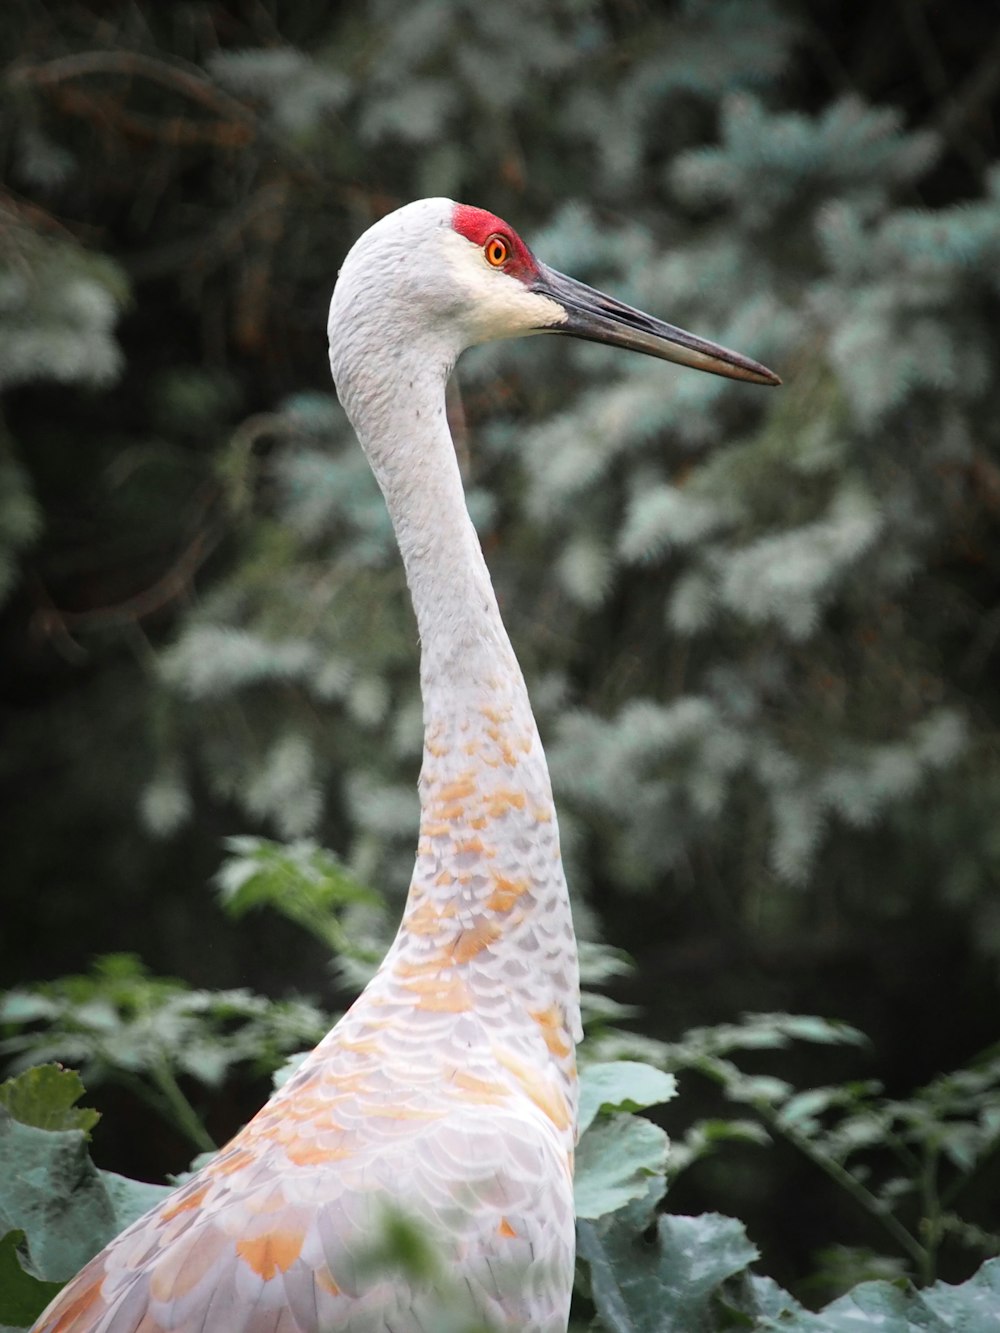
642,1269
56,1208
308,885
118,1024
904,1161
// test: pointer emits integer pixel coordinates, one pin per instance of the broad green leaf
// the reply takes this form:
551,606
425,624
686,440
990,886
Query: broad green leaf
888,1307
131,1198
614,1163
881,1307
767,1300
44,1096
665,1284
22,1297
51,1190
973,1307
621,1085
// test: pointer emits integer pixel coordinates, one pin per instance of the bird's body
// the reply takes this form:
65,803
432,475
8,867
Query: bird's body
446,1095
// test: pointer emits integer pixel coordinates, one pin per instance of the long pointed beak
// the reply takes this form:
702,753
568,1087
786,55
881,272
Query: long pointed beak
599,318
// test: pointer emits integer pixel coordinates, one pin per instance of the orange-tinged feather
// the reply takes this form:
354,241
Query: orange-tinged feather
271,1253
313,1154
429,966
506,798
448,814
79,1304
184,1204
541,1090
402,1113
230,1162
324,1278
505,1228
460,790
468,943
440,996
438,830
550,1021
475,846
481,1091
361,1045
506,893
424,920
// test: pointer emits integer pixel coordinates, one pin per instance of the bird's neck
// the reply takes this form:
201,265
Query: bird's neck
487,920
464,645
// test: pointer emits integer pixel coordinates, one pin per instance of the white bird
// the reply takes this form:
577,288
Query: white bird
447,1093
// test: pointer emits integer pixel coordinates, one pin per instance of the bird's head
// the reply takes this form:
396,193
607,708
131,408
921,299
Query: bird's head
439,271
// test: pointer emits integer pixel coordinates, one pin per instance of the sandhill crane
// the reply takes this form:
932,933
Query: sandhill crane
448,1090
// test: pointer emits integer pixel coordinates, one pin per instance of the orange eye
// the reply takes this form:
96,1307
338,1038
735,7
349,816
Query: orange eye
497,251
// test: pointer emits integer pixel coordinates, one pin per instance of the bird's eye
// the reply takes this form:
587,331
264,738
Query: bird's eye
497,251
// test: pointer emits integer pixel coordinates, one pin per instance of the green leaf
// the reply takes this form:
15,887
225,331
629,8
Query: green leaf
665,1284
51,1195
131,1198
707,1136
971,1307
301,880
809,1027
22,1297
118,1023
614,1163
621,1085
52,1191
44,1096
888,1307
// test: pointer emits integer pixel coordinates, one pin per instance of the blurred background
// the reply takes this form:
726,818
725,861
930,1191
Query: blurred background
761,629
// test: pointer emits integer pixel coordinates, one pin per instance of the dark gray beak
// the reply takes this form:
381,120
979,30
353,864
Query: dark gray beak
601,319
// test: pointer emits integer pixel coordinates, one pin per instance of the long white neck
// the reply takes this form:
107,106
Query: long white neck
462,637
488,899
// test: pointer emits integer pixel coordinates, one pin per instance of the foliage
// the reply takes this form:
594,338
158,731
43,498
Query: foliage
618,1152
56,1207
305,883
118,1024
676,1274
646,1271
641,1268
904,1161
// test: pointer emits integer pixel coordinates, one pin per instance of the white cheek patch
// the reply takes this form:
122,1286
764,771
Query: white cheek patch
498,306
